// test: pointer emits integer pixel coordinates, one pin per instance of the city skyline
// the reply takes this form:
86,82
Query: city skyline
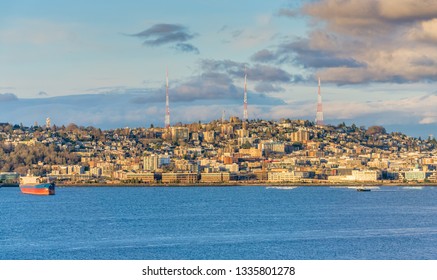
101,63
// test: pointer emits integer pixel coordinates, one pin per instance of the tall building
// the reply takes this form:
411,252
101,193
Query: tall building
180,133
301,135
227,130
48,122
319,115
151,162
209,136
167,106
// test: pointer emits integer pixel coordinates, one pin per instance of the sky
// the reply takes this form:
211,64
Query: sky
103,63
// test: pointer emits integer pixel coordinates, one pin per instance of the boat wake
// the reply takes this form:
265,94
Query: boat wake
282,188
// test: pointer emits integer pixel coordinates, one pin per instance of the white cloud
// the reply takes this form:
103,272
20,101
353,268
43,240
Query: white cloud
428,120
407,9
355,41
425,31
412,110
117,110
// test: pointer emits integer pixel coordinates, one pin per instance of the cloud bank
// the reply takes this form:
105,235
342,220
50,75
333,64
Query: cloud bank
267,78
140,108
355,42
7,97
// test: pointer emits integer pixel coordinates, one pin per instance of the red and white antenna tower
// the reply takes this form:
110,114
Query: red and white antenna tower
167,107
319,115
245,96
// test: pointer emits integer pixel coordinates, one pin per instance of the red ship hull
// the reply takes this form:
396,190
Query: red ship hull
39,189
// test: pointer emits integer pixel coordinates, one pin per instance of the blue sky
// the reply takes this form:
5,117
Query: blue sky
103,63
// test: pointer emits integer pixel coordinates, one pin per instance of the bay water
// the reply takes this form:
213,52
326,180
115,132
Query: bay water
309,223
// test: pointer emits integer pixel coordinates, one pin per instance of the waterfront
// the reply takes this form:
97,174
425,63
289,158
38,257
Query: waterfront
219,223
299,153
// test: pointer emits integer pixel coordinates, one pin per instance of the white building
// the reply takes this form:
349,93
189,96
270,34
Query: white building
415,175
365,175
276,147
151,163
282,177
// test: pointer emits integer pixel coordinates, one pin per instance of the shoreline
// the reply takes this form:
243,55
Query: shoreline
246,184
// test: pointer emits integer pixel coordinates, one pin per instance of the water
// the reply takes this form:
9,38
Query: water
219,223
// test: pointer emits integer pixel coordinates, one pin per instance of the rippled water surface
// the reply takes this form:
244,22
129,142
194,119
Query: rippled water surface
219,223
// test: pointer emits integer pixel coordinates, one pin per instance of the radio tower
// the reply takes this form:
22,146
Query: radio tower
319,115
245,96
167,107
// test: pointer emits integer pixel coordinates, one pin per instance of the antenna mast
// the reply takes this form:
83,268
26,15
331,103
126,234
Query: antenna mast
167,106
245,117
319,115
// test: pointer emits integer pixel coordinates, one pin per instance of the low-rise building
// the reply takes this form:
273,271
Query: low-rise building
179,178
143,177
415,175
218,177
365,175
282,177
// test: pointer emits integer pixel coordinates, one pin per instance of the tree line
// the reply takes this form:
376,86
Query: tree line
22,158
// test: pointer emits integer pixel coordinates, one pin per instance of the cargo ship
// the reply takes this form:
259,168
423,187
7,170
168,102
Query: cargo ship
37,185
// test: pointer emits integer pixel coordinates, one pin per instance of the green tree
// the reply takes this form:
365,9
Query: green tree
246,145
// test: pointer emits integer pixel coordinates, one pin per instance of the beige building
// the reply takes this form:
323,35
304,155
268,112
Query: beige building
365,175
209,136
179,178
252,152
142,177
282,177
218,177
300,136
227,129
242,133
179,133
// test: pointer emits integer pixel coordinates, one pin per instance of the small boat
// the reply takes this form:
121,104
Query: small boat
362,189
37,185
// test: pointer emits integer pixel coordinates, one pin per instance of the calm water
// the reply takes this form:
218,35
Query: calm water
219,223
